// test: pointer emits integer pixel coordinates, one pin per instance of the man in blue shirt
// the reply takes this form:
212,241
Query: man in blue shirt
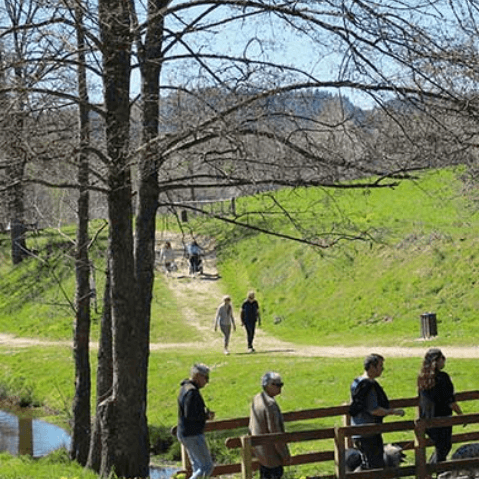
369,405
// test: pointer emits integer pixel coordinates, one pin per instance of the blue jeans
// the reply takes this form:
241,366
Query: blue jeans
199,455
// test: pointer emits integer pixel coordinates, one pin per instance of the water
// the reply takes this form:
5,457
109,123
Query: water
162,472
30,436
37,438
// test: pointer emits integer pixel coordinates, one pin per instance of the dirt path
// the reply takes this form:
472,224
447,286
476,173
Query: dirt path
198,296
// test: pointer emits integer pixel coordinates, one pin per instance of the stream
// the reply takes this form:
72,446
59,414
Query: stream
37,438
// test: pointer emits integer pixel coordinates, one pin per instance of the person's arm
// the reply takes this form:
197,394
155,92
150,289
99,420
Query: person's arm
275,425
379,397
456,408
194,407
258,316
382,412
217,318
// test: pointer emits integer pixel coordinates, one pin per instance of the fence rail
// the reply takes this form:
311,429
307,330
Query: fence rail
341,436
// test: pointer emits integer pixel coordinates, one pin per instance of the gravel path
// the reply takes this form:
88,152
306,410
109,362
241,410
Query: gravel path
198,298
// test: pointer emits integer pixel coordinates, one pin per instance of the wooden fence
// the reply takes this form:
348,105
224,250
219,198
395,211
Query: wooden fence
341,436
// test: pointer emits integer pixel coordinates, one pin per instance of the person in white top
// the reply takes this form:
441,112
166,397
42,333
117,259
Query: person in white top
224,318
167,257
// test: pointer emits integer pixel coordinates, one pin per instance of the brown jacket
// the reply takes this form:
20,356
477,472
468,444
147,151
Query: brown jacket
266,418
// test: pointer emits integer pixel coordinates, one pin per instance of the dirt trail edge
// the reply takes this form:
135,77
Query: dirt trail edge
198,297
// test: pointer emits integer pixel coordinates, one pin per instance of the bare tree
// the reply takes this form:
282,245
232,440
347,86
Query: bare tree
80,442
221,115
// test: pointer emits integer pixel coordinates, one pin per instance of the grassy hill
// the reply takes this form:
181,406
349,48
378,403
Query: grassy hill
37,296
420,255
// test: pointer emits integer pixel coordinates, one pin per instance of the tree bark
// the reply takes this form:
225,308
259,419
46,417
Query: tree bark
81,430
104,379
150,161
122,414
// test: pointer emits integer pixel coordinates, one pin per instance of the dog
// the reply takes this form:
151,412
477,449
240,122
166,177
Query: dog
465,451
393,456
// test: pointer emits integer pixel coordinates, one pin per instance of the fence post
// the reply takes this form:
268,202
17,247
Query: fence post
339,453
347,422
246,458
420,448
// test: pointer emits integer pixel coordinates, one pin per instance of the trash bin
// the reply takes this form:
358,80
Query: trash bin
184,216
428,325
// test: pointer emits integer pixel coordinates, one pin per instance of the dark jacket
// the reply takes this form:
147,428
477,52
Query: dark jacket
250,312
441,395
192,411
366,396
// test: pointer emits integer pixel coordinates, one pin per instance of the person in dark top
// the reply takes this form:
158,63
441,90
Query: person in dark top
437,399
192,417
369,405
249,316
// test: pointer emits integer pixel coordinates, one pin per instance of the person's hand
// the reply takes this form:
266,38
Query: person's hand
211,415
398,412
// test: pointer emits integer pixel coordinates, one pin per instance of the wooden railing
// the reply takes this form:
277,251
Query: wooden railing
341,436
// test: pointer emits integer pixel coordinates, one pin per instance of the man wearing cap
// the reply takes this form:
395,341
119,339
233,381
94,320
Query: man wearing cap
369,405
266,417
192,417
249,317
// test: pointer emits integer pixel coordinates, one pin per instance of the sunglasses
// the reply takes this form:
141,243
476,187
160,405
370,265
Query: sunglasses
278,385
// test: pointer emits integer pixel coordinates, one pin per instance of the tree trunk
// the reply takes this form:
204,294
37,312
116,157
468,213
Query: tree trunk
150,67
16,206
122,414
104,378
80,442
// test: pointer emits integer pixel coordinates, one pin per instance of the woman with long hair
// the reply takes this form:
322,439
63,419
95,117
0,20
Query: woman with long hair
437,399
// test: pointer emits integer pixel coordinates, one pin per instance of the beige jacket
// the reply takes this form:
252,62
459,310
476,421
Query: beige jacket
266,418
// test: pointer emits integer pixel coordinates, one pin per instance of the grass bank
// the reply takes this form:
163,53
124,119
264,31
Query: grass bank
419,253
421,256
309,383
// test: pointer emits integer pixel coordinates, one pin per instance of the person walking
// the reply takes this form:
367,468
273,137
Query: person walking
194,252
167,257
249,317
437,399
192,417
369,405
265,418
225,320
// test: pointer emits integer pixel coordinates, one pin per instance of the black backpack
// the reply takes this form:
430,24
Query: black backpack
359,392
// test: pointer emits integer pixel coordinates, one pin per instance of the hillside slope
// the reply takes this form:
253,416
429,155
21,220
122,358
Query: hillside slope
422,256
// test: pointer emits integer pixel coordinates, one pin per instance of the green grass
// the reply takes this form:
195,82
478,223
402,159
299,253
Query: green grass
37,297
309,383
54,466
418,254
